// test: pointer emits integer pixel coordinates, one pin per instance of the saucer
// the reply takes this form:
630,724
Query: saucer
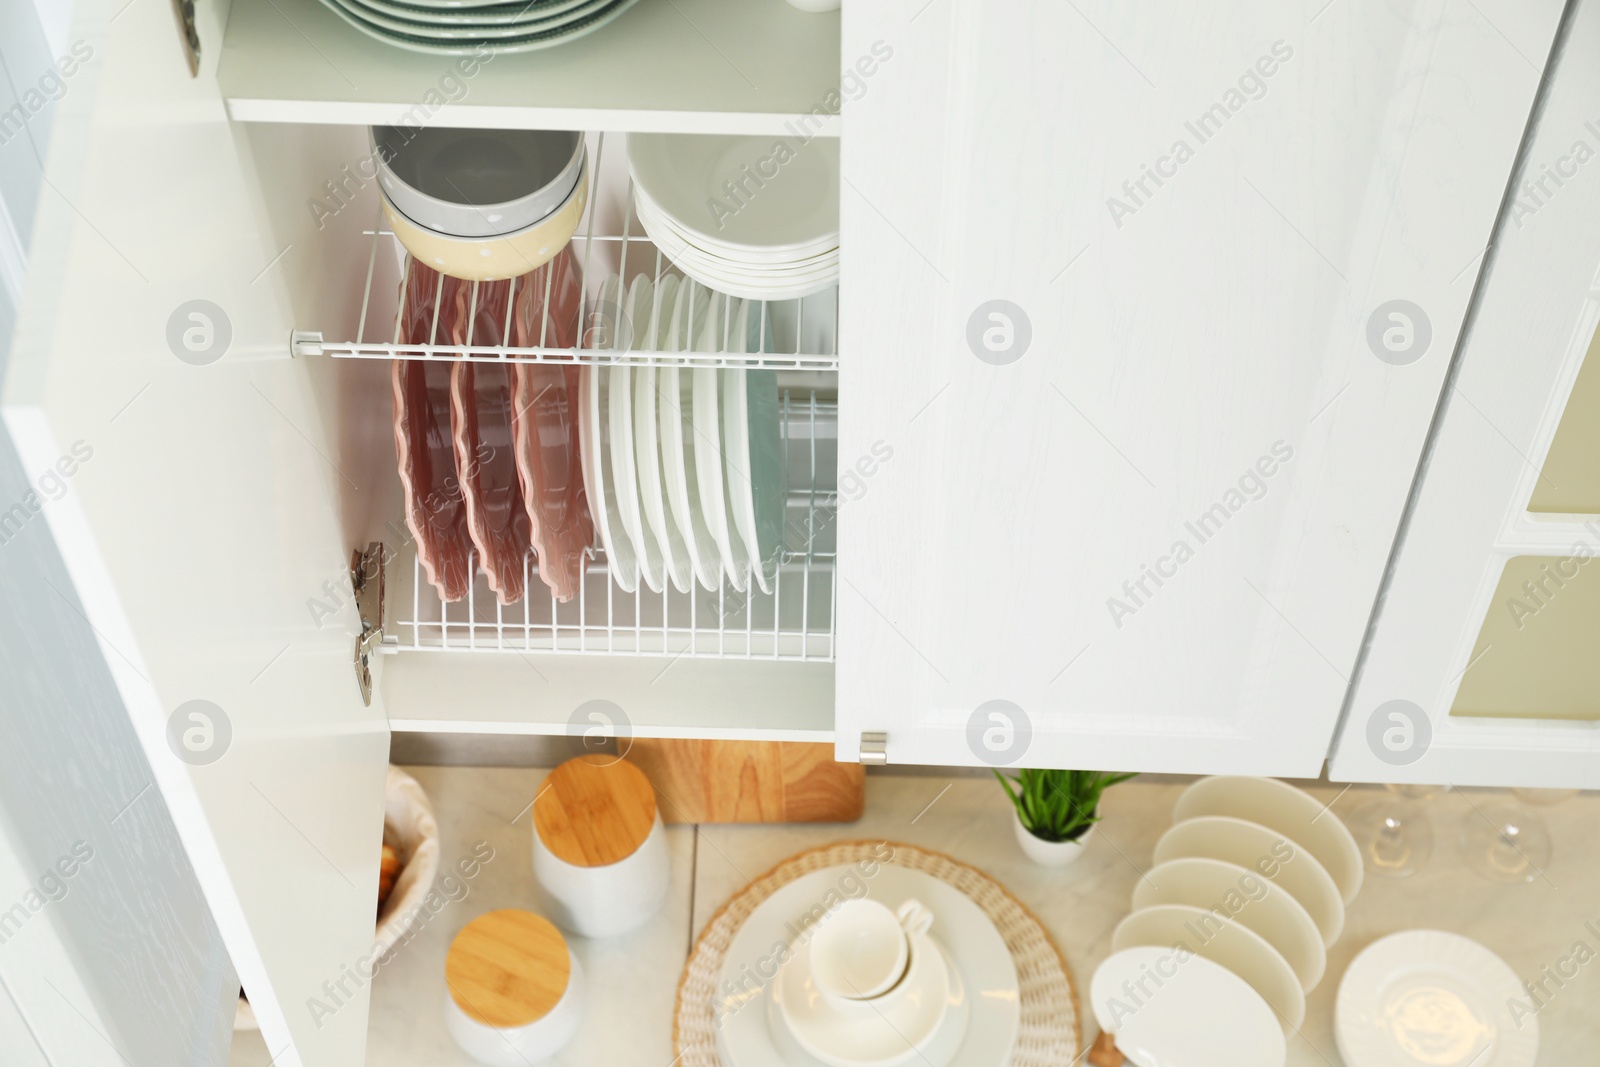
939,1051
976,953
882,1032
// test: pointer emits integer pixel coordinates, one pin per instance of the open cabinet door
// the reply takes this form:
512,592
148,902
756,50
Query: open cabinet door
188,470
1480,668
1146,311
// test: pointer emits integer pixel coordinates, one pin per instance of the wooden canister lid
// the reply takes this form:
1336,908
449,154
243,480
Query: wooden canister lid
508,968
594,810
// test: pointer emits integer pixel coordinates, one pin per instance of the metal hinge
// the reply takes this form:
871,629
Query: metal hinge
184,9
875,748
366,579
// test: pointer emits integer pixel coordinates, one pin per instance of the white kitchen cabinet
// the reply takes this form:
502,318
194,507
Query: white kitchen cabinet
1481,663
1196,357
1145,525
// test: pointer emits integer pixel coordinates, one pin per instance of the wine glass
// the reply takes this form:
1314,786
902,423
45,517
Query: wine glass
1505,842
1395,831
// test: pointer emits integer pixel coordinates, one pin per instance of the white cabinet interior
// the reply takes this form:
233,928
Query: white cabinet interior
1514,661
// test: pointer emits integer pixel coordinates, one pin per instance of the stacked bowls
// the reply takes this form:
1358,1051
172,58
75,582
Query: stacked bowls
753,217
473,27
481,205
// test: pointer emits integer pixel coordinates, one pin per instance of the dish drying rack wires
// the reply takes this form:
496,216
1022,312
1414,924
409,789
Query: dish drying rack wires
805,330
796,621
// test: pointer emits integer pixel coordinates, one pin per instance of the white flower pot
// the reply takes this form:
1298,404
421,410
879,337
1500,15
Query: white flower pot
1051,853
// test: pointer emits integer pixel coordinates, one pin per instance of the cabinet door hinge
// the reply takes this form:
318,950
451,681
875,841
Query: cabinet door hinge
874,748
366,578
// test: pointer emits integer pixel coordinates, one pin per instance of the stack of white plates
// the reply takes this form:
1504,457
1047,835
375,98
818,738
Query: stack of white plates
683,467
462,27
1251,882
755,217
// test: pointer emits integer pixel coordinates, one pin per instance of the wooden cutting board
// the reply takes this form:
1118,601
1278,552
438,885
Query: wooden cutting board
750,781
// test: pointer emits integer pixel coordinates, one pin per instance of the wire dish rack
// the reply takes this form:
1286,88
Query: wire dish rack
795,621
804,331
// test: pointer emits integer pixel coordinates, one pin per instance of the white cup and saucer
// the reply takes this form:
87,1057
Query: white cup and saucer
871,988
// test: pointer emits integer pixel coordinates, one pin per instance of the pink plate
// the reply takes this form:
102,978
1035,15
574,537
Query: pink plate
435,510
545,418
480,397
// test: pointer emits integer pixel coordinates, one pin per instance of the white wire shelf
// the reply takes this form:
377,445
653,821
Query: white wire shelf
804,330
795,621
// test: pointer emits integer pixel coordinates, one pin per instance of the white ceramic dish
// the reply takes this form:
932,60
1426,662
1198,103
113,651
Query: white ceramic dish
886,1032
1267,852
621,447
1235,947
675,557
476,183
1290,811
675,421
482,12
684,173
1193,1012
973,945
1245,897
530,42
1426,998
594,439
497,21
707,415
773,262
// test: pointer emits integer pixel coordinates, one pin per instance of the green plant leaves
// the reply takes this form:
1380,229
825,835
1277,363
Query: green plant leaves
1058,805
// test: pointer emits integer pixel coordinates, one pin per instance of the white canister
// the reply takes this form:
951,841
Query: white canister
599,849
515,991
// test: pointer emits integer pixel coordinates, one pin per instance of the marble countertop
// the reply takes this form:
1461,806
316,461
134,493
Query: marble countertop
633,979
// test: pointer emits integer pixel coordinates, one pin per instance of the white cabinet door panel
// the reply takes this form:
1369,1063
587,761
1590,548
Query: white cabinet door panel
1521,355
196,505
1157,533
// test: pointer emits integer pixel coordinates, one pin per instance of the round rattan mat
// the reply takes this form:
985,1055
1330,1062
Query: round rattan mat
1049,1034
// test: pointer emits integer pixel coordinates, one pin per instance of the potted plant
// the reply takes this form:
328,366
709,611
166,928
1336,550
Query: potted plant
1056,811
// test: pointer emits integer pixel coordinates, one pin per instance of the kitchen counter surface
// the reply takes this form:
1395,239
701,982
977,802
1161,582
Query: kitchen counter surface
633,979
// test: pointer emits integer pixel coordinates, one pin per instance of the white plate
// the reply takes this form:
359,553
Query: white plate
797,207
1192,1012
714,506
1426,998
752,449
675,420
594,431
495,13
1239,949
1267,852
1290,811
882,1034
462,28
974,945
752,254
620,446
675,555
412,42
1248,899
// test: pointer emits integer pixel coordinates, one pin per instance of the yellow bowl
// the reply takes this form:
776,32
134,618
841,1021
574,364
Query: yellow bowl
487,259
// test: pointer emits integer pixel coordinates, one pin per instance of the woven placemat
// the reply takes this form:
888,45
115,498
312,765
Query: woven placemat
1049,1035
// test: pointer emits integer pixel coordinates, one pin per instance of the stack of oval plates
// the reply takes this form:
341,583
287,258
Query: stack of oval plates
455,27
753,217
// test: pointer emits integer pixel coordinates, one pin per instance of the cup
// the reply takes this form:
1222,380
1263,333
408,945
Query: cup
863,949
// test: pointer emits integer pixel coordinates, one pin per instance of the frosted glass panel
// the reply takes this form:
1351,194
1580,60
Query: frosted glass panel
1570,480
1538,654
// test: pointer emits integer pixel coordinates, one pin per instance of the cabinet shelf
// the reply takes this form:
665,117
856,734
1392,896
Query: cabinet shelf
803,331
793,622
666,66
